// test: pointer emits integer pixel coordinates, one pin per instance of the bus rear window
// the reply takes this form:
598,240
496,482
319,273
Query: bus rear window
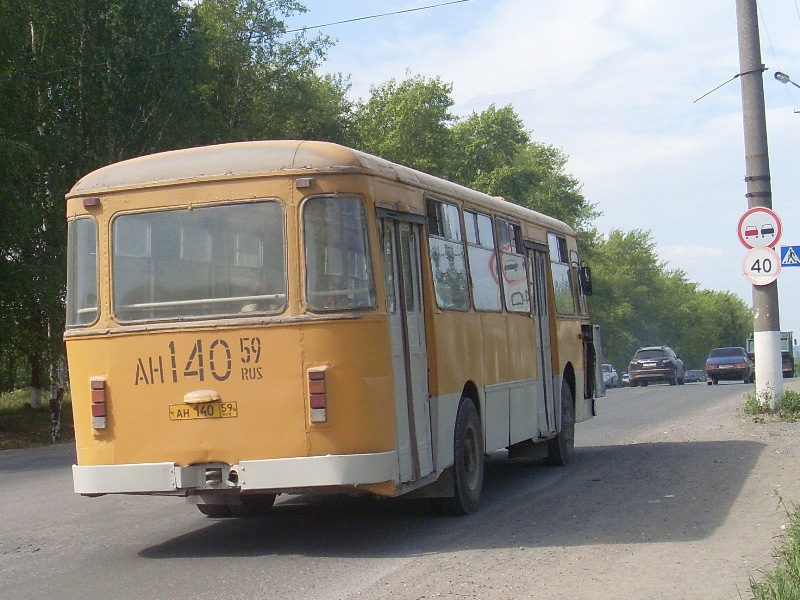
338,268
206,262
81,272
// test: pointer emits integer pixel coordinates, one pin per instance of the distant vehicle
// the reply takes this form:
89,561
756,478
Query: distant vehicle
626,380
610,377
787,352
729,364
656,363
695,376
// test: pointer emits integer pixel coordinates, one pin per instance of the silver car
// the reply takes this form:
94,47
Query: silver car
610,377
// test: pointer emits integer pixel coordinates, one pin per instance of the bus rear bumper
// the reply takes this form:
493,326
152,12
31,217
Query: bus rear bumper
274,475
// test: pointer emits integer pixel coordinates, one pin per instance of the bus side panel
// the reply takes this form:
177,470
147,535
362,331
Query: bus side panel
498,353
526,396
571,352
489,370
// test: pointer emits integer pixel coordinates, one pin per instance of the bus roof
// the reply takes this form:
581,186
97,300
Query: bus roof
263,158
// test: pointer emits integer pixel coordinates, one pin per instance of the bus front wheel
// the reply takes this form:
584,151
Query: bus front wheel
561,448
467,463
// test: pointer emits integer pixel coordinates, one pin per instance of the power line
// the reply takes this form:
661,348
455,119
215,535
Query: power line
257,37
387,14
763,19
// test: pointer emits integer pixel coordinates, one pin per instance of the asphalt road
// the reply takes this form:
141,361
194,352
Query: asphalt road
658,476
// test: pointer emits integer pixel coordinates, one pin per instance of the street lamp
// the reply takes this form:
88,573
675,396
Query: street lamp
784,78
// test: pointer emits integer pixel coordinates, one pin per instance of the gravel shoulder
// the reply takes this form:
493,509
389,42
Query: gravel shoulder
678,509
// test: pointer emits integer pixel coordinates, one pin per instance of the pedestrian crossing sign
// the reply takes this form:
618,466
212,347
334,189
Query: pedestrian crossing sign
790,256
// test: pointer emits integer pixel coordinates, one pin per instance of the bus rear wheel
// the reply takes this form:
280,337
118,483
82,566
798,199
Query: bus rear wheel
467,463
215,511
561,448
253,506
247,506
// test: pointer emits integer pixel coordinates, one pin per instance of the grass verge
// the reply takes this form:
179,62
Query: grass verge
783,583
789,411
22,426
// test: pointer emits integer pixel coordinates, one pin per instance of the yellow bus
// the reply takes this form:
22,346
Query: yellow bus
296,317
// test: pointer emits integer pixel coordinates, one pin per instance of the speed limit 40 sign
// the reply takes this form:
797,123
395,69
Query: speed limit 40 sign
761,266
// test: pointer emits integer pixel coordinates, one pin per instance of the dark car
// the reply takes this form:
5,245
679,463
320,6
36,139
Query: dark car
729,364
656,363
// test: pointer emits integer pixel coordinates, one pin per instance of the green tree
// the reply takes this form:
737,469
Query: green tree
491,151
252,82
408,123
536,179
626,276
484,142
17,174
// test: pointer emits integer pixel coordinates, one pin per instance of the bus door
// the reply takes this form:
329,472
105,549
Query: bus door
548,410
402,268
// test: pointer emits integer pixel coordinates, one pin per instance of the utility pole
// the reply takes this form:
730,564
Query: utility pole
766,316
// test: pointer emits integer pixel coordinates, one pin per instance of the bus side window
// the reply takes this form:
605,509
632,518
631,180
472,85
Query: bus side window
81,272
576,275
482,258
448,262
563,286
338,267
513,267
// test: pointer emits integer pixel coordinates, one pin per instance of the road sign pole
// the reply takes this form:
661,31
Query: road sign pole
766,315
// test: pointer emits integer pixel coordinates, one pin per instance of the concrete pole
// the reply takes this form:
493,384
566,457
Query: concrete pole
766,317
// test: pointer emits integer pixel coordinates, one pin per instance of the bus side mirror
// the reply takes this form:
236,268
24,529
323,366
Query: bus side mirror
585,275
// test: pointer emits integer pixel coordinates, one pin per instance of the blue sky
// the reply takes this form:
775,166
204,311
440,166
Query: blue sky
612,84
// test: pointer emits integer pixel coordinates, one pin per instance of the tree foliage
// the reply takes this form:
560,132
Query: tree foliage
407,122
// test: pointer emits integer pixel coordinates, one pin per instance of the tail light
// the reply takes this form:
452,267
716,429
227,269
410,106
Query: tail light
98,387
317,394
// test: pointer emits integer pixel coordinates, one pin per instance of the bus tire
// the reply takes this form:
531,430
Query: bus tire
253,506
561,448
467,463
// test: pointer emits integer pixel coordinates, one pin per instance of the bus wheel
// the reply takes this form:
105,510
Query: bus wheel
215,511
253,506
561,448
467,463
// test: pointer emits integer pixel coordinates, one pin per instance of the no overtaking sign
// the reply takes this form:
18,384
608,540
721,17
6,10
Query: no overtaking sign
759,227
